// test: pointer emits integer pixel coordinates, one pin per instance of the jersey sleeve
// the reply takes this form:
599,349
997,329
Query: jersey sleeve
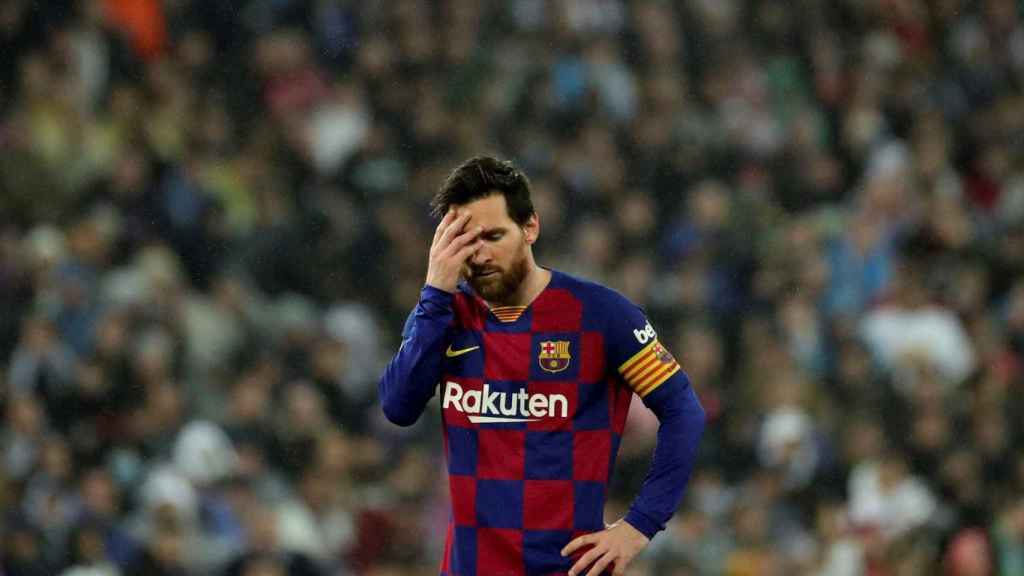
648,368
635,350
410,378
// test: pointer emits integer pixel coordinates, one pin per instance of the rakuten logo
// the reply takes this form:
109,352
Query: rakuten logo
485,406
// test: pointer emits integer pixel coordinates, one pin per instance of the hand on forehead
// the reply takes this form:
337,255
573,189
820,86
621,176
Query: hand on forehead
488,211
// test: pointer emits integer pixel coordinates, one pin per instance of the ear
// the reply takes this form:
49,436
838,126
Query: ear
531,229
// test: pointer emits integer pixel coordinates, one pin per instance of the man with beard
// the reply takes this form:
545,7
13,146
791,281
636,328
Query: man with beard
537,369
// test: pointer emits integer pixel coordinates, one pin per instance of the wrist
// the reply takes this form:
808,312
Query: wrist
441,286
642,523
436,302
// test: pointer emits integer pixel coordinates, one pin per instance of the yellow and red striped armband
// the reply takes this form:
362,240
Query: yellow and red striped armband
648,368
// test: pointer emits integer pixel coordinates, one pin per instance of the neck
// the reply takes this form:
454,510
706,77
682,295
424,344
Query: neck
533,284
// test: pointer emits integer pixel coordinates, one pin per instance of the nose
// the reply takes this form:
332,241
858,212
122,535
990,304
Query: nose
480,256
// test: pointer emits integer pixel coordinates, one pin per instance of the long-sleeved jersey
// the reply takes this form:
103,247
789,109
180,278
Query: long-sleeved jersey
534,402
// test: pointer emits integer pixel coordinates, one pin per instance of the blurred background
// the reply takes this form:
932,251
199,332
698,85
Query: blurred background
213,222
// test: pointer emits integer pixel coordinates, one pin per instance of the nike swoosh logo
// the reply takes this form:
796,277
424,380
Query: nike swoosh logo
453,353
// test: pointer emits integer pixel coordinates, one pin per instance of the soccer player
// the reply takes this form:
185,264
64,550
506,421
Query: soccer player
536,370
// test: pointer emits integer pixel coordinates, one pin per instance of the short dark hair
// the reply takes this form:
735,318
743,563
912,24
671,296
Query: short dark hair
483,176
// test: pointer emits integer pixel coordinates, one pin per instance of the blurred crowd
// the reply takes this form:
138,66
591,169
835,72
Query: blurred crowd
213,222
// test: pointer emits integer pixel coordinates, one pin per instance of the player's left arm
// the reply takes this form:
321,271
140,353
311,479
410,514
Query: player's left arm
681,424
653,373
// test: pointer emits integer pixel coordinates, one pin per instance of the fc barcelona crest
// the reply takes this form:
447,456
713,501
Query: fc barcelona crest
554,355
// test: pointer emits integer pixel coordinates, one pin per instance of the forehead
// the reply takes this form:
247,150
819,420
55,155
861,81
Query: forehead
489,211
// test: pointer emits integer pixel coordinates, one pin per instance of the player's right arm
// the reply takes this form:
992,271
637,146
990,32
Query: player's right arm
412,375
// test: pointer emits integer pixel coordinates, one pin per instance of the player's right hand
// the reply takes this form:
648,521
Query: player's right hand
453,244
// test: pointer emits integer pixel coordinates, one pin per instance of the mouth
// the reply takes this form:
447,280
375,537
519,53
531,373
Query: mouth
486,274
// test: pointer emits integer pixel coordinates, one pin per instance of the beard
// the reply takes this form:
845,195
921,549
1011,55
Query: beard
500,286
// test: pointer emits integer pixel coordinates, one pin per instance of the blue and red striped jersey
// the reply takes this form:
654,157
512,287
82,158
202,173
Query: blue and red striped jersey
534,402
